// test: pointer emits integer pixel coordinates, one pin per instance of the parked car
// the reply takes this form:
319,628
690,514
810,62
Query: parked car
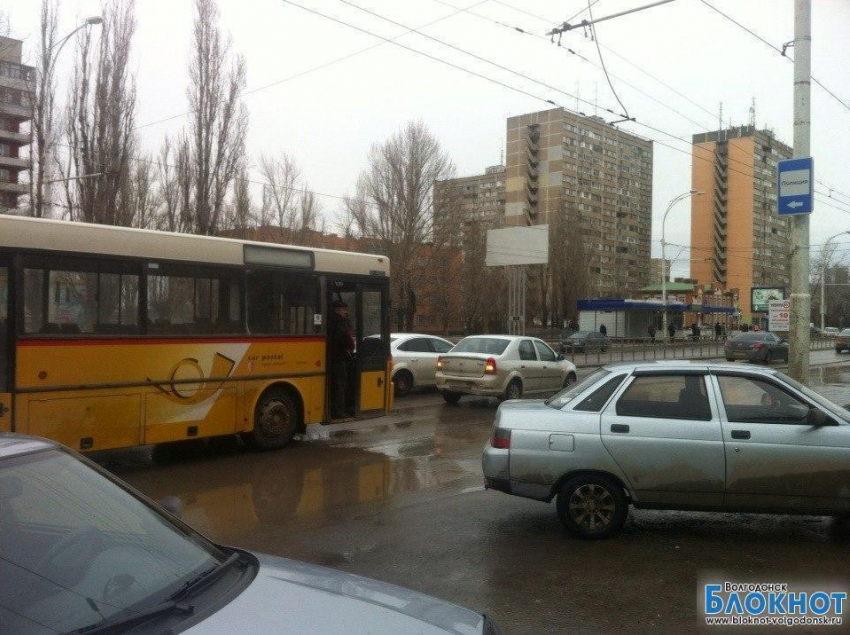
584,342
673,435
504,366
415,359
82,552
830,331
842,341
564,336
760,346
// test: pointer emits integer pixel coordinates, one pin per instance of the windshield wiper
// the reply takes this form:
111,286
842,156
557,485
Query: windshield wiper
204,577
122,623
172,605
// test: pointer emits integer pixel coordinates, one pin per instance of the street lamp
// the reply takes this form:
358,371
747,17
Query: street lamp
823,278
679,198
92,21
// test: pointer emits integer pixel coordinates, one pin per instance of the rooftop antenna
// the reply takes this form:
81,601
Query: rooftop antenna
502,156
595,99
753,113
720,118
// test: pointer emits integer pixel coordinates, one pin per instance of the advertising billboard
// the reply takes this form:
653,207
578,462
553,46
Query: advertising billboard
761,297
518,246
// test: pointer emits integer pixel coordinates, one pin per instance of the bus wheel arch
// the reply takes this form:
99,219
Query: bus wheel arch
278,415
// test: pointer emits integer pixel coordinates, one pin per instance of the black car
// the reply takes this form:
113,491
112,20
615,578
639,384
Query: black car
756,347
584,342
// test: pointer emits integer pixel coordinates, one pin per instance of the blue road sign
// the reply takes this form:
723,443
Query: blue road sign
796,185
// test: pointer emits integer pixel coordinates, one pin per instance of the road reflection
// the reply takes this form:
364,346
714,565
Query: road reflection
229,493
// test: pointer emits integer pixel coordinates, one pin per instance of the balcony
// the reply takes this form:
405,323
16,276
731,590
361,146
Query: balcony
18,138
18,112
15,163
14,188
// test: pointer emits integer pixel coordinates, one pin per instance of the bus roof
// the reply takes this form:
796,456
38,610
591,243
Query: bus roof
18,232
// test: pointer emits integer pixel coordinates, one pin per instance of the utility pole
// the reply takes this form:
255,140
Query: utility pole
801,300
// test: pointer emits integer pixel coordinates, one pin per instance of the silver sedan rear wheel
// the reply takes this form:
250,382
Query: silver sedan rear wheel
592,506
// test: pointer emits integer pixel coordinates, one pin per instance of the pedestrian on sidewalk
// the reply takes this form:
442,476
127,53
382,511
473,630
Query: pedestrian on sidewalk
718,331
671,330
695,331
651,332
604,330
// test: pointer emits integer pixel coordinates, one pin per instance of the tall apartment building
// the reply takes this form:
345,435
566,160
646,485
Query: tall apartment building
477,198
16,83
594,177
738,240
659,268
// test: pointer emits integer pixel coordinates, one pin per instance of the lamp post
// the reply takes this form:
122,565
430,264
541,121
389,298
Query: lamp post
92,21
823,279
664,274
41,197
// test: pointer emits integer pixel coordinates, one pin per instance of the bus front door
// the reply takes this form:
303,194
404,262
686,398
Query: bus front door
5,350
372,348
367,390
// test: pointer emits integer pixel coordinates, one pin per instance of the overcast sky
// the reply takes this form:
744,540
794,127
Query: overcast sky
327,119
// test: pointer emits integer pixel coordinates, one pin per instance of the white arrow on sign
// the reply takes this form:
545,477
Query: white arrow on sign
794,204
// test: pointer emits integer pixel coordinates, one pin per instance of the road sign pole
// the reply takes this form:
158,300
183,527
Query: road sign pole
798,362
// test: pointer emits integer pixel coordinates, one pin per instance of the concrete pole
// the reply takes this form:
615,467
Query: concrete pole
801,300
664,282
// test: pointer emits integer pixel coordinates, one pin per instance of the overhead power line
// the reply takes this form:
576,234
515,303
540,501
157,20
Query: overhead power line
464,51
333,62
602,59
586,60
781,51
549,21
453,65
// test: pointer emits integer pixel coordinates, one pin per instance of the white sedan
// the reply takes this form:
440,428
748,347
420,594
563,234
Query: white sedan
415,359
503,366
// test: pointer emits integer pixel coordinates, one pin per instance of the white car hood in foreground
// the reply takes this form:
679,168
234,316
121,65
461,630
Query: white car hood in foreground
295,597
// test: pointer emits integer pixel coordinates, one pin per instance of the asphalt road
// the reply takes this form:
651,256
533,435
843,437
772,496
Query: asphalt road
400,499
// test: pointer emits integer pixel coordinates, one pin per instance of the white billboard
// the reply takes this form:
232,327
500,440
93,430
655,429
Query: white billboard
518,246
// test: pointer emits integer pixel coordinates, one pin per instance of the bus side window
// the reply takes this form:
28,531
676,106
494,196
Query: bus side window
281,303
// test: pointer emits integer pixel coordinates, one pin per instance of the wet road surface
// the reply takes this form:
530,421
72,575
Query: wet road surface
401,500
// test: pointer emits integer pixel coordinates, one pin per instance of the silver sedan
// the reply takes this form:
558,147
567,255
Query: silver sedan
415,359
503,366
81,552
674,436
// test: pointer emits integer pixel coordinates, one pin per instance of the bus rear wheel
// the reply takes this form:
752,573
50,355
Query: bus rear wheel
275,421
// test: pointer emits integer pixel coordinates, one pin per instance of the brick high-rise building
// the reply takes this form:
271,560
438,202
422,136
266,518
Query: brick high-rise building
598,179
16,83
737,238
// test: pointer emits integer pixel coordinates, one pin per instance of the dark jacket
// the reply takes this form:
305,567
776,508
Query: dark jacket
340,338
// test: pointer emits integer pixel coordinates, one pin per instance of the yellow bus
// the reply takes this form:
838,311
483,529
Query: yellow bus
114,337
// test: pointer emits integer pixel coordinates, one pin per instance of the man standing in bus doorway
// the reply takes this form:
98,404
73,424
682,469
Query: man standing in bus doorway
341,342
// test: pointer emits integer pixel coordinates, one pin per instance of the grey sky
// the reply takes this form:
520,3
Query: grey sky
328,119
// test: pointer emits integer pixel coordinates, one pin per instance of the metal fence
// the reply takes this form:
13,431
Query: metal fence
647,350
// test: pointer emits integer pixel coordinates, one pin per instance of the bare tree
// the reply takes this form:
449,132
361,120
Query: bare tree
241,214
142,196
43,109
101,117
281,175
219,119
394,207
